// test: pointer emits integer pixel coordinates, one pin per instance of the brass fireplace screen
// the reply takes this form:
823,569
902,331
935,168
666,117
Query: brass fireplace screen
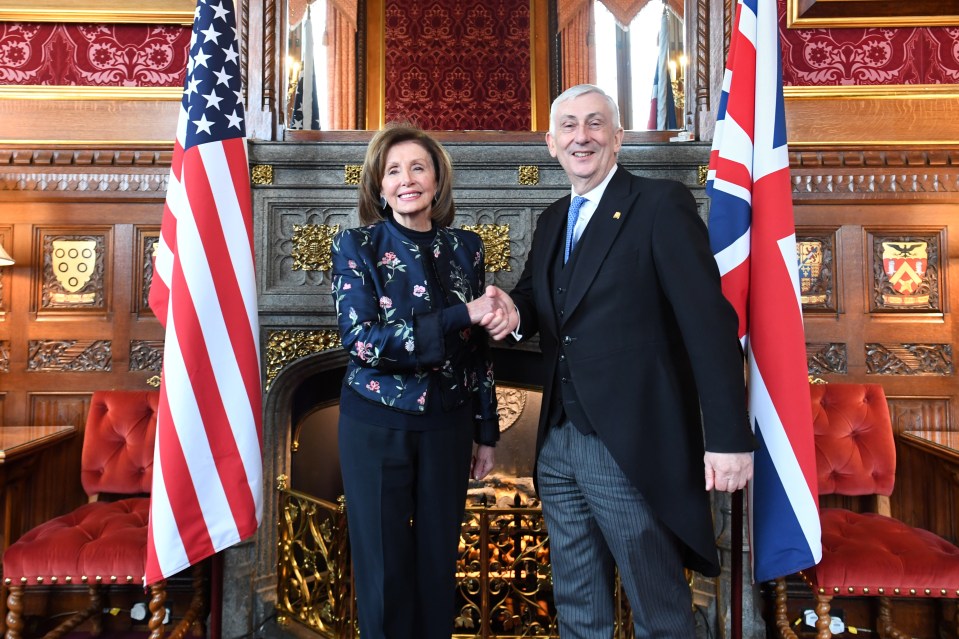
503,576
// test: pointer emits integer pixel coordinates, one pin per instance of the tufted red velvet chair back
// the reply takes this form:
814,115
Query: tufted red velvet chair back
118,443
855,451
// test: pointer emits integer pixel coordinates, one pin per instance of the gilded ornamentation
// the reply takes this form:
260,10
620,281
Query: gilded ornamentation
312,246
909,359
352,173
262,174
75,356
528,175
816,268
510,403
283,482
283,347
702,172
496,244
154,381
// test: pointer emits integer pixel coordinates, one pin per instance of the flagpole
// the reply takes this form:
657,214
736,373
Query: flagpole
736,566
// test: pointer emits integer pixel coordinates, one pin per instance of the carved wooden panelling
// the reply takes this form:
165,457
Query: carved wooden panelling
822,359
919,413
146,355
77,356
147,238
905,271
4,356
6,241
909,359
74,271
816,251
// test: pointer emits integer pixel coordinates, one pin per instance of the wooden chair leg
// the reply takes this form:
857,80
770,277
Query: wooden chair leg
157,609
14,613
93,610
192,617
823,618
782,614
887,630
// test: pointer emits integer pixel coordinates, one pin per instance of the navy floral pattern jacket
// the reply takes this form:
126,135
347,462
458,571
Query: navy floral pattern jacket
393,332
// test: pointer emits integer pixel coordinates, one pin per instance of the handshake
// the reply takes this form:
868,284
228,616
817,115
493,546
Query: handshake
495,312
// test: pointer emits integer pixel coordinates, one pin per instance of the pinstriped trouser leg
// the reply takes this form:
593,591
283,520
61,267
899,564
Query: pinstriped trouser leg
596,518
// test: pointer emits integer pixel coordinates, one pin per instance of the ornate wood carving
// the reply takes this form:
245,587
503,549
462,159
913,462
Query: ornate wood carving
146,355
74,272
905,272
147,239
78,356
4,356
919,413
816,251
822,359
909,359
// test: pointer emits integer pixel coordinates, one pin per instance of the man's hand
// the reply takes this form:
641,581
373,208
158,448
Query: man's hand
504,319
728,472
488,304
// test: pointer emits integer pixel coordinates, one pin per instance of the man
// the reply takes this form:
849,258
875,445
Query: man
643,365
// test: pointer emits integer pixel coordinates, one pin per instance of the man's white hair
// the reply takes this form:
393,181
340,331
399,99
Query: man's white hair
575,92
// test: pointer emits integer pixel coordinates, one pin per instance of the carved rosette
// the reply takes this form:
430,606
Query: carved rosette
75,356
284,347
826,358
262,175
146,355
352,173
496,244
312,246
909,359
528,175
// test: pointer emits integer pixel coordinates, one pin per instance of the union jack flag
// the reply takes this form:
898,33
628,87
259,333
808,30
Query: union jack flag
207,469
753,238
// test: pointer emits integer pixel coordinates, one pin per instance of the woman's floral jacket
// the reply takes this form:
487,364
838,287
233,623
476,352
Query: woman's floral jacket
392,332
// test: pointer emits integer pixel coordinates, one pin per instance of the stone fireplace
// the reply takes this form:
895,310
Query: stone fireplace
303,193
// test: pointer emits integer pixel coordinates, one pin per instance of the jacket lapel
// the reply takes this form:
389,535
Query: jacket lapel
603,228
554,218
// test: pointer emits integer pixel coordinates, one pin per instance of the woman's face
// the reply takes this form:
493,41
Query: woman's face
409,184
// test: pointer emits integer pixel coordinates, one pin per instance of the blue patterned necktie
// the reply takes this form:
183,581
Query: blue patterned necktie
571,218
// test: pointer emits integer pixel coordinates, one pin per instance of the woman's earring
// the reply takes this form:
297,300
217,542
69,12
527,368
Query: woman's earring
382,202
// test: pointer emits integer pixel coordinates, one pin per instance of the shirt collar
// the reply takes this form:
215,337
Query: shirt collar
596,194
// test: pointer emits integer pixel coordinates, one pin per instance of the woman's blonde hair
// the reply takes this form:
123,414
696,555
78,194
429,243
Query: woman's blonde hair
374,165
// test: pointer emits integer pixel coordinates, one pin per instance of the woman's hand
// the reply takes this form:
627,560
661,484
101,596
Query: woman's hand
482,461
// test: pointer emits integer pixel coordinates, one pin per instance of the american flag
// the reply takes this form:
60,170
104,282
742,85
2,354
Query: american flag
753,237
207,469
662,105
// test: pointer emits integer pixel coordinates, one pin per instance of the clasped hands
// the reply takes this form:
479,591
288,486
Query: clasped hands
495,312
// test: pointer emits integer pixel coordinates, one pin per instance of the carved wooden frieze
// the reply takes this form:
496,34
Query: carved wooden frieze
495,244
84,182
909,359
74,272
905,272
284,347
146,355
4,356
826,358
312,244
919,413
70,355
815,251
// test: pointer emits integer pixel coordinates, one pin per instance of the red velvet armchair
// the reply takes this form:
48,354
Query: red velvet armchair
866,554
101,543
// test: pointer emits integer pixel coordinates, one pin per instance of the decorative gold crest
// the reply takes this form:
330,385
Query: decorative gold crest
262,174
352,173
73,264
528,175
495,243
810,255
905,265
312,246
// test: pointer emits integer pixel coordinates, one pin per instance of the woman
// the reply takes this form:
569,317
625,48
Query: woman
418,389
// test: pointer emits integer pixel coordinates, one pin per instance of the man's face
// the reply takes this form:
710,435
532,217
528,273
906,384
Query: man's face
586,140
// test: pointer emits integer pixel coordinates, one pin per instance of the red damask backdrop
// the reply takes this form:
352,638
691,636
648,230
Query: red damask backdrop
459,64
834,57
93,55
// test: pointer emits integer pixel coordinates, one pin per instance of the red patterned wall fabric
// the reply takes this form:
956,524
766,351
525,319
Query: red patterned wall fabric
836,57
111,55
459,64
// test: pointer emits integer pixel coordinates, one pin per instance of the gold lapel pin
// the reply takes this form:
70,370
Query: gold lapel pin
616,215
